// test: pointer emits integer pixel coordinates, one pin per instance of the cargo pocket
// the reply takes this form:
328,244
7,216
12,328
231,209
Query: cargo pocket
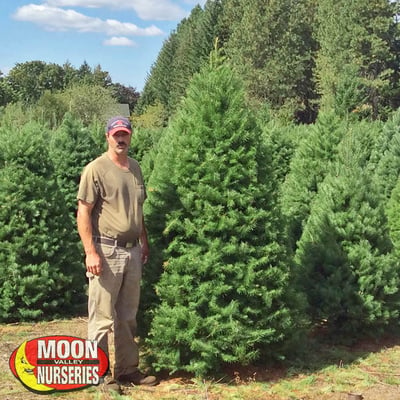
105,250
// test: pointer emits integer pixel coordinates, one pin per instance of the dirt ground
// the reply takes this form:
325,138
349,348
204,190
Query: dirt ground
374,375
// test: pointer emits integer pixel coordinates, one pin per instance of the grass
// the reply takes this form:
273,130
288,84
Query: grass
324,372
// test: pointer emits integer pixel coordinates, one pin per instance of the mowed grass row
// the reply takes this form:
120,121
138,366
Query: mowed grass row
371,369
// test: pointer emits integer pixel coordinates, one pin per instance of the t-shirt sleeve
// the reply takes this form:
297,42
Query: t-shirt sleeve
88,186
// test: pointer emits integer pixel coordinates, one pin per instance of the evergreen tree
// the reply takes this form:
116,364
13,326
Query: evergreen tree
158,84
283,140
181,56
346,266
144,146
386,156
195,41
393,215
158,166
40,276
224,289
271,44
355,54
71,148
84,73
187,57
394,38
386,175
308,168
100,77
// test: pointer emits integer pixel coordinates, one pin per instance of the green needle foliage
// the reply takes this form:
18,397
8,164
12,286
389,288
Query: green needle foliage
162,200
387,177
308,167
71,148
224,290
386,156
393,214
354,64
39,274
346,264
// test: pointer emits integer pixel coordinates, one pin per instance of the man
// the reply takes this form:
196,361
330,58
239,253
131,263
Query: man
111,227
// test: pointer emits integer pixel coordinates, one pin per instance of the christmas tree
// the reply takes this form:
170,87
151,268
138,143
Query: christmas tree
224,292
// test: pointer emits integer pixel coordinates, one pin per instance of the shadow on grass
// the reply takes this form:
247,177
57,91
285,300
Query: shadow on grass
316,353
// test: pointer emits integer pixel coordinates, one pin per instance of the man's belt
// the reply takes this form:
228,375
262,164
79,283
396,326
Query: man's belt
114,242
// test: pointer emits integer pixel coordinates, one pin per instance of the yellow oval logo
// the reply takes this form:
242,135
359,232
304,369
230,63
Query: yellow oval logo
58,363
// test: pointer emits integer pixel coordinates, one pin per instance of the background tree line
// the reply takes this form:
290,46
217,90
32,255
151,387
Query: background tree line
262,229
52,90
299,56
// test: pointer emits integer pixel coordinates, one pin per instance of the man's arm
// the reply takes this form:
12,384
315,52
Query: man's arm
84,221
144,243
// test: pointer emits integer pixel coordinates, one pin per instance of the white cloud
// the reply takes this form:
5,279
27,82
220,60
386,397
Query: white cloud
161,10
119,41
5,70
57,19
195,2
125,28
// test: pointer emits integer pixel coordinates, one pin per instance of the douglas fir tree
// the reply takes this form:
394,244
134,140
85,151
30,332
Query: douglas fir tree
344,256
40,273
224,292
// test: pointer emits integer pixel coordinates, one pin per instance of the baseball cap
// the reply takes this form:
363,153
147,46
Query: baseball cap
118,123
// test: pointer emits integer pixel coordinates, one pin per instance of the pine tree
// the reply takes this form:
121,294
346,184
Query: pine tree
40,274
308,168
71,148
355,55
224,289
157,88
181,56
393,215
283,140
196,37
158,166
387,174
271,44
386,156
344,256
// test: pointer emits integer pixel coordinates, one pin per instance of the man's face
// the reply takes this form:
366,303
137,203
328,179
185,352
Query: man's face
119,142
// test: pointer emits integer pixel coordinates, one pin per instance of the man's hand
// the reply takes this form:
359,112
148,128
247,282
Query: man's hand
93,263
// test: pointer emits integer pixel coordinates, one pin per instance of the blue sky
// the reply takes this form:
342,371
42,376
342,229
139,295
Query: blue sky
123,36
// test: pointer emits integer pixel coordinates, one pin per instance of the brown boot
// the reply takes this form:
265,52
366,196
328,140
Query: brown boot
138,378
109,384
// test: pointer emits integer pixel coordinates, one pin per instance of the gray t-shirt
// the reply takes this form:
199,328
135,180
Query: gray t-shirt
118,196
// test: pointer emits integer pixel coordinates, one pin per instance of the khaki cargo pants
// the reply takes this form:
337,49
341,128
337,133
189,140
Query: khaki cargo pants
113,304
